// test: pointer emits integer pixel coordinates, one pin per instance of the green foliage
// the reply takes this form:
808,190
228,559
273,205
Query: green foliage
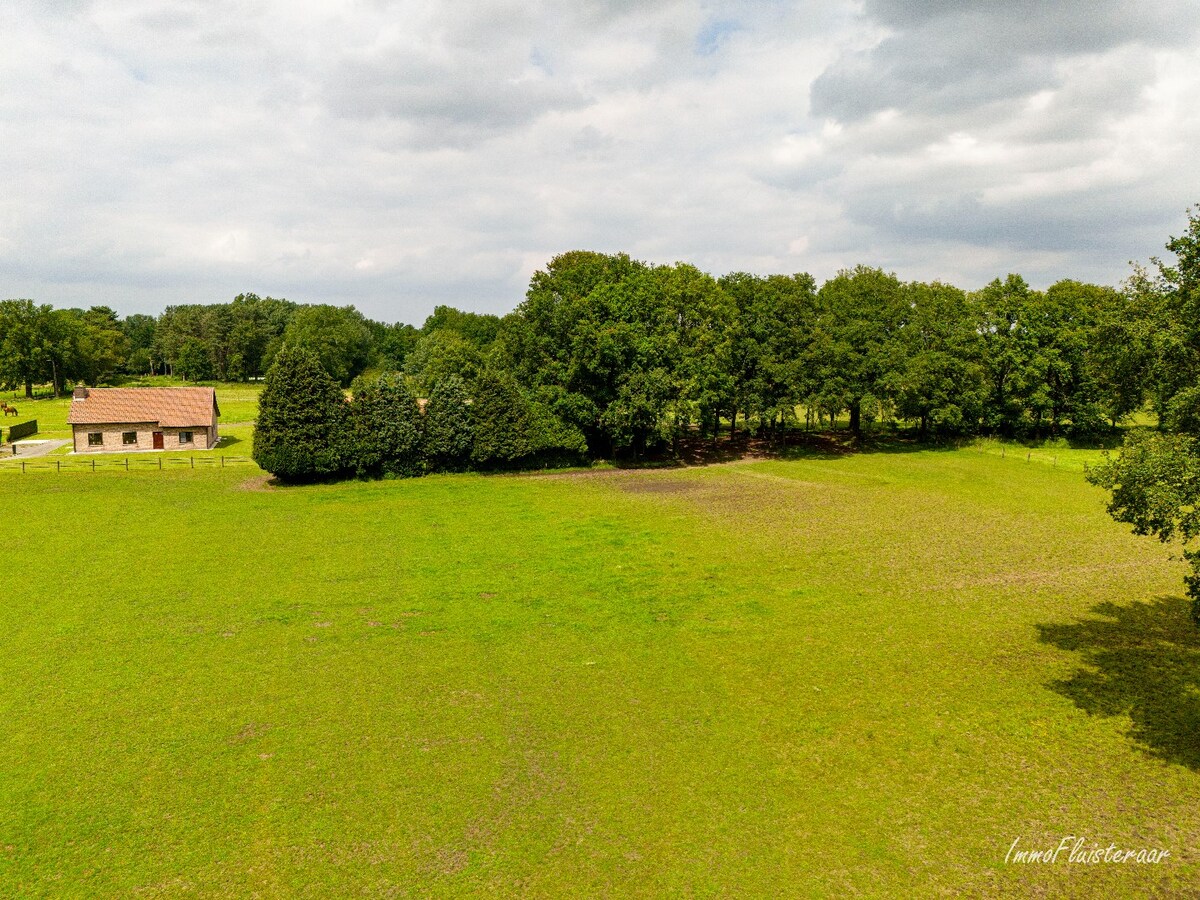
193,362
1167,306
634,356
393,343
553,442
441,354
139,362
41,344
301,432
624,352
861,311
339,337
935,375
448,426
499,421
766,358
385,429
478,329
571,339
240,338
1155,487
511,430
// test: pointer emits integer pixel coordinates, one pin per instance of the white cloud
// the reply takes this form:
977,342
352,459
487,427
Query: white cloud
401,154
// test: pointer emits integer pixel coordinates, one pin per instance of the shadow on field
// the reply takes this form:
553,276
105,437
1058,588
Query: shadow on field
693,450
1141,660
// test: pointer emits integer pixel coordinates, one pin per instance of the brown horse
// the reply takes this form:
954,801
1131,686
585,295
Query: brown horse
9,410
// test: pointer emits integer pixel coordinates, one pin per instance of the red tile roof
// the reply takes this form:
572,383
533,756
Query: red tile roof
170,407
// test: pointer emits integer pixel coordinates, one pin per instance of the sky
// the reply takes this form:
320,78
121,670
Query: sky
400,155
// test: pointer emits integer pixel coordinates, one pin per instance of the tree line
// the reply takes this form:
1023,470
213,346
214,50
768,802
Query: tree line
633,355
234,341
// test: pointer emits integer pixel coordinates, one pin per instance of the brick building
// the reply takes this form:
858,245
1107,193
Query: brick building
104,420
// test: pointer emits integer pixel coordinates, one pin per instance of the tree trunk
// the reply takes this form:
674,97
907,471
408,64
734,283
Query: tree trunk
733,423
856,415
28,389
924,424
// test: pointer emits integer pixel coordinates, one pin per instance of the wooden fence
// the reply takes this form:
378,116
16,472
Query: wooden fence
128,464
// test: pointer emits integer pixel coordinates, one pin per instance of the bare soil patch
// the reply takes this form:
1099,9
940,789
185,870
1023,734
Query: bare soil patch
652,485
262,482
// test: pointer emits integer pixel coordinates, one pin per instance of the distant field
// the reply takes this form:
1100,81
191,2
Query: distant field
856,676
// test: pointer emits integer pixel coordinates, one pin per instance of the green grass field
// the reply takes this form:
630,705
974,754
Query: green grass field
856,676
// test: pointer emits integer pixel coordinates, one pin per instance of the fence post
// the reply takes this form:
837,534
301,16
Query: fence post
222,462
126,463
22,467
160,464
93,464
193,459
58,466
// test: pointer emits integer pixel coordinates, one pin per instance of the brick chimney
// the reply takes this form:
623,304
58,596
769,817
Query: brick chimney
80,393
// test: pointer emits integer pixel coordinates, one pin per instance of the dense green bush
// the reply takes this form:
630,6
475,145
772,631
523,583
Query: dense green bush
449,434
385,429
499,419
553,442
513,431
301,429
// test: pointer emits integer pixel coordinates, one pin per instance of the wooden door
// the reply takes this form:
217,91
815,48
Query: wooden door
158,440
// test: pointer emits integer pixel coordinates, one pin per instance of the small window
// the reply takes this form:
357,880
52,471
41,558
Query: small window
95,439
128,437
185,437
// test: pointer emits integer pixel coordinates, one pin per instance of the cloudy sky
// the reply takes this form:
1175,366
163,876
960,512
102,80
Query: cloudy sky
397,155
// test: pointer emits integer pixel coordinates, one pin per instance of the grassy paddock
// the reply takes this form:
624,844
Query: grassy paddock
863,675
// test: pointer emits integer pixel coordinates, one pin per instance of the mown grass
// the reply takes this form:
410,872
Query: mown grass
864,675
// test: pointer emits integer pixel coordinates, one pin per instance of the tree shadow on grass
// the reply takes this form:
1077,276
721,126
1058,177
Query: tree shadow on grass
693,450
1141,660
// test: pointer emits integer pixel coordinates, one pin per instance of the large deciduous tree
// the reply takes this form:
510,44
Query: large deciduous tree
861,310
1155,481
935,377
339,337
1155,487
767,366
23,343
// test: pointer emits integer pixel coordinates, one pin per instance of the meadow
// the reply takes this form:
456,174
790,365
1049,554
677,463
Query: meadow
825,675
